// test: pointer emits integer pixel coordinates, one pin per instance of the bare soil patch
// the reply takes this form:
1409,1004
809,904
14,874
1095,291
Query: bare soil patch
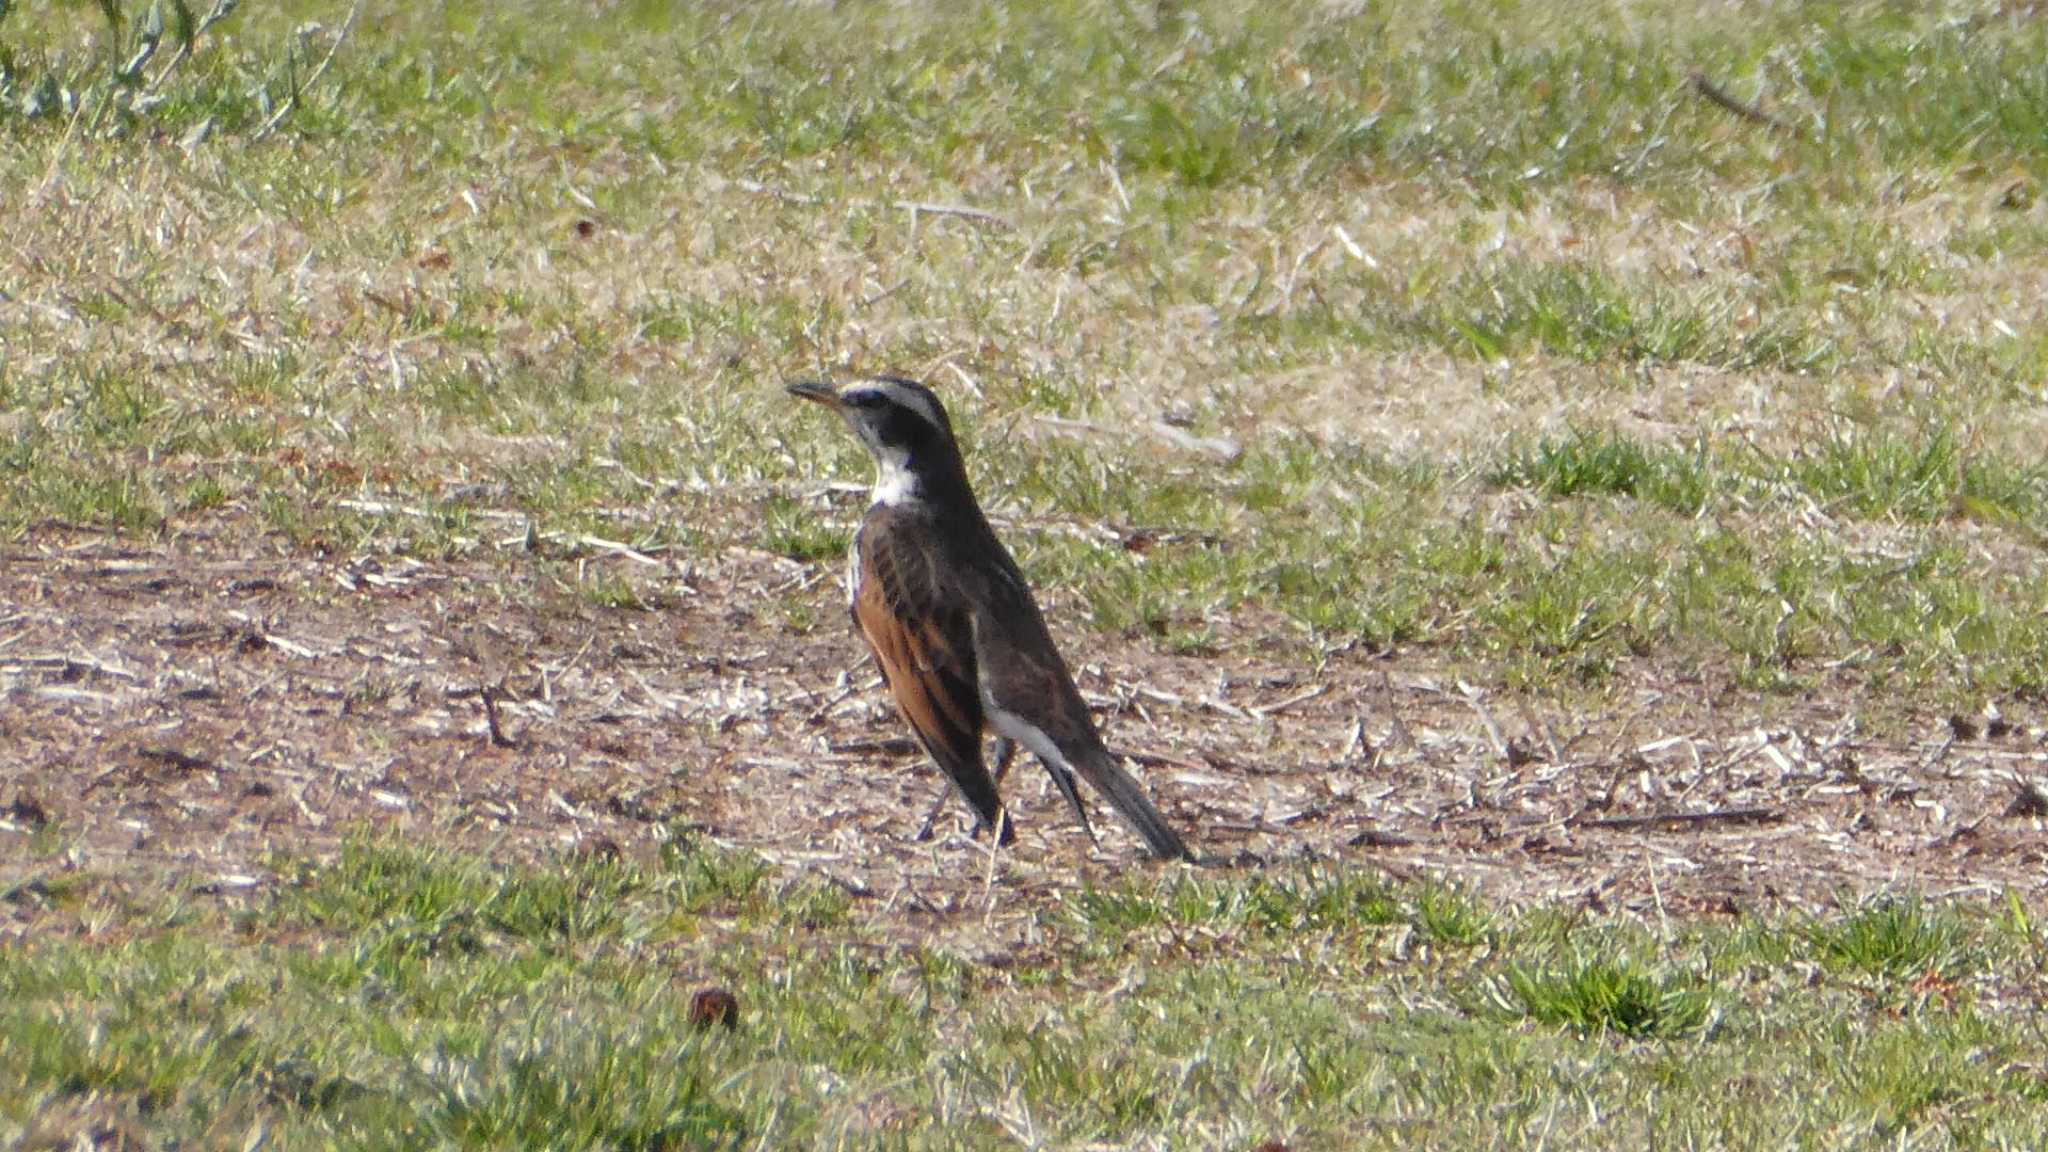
191,709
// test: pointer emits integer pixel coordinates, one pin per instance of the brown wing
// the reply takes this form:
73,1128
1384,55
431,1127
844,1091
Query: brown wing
1024,676
1023,671
919,630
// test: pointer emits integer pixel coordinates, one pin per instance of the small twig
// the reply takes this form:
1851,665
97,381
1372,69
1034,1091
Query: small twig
1224,707
1354,739
960,210
881,295
1375,838
288,647
914,207
292,101
1163,760
1721,98
57,153
780,193
67,664
1279,706
1939,753
498,737
1755,814
852,887
616,548
177,758
1222,448
1493,733
220,11
988,880
1540,725
837,698
893,746
380,508
1261,825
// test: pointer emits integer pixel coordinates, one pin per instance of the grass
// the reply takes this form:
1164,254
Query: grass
1543,371
1586,463
407,995
1900,938
1600,995
1520,231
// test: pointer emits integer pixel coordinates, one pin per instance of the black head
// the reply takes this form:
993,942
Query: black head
903,425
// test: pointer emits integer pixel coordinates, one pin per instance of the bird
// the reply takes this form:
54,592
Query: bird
949,618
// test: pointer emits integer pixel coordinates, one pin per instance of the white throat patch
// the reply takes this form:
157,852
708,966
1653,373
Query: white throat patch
895,483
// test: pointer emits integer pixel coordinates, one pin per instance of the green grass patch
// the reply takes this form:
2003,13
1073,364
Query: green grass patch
1484,243
1596,995
1584,462
394,994
1894,938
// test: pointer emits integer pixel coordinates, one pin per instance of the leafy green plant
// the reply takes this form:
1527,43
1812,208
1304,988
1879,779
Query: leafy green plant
1452,915
1598,994
1899,938
141,73
1591,462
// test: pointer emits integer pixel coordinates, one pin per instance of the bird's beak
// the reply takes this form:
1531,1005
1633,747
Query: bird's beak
814,390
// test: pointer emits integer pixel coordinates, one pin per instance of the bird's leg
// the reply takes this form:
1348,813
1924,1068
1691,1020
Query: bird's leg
924,830
1006,750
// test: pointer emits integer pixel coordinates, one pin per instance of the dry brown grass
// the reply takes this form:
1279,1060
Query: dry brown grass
199,708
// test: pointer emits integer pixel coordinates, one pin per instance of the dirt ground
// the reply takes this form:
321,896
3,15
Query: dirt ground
192,708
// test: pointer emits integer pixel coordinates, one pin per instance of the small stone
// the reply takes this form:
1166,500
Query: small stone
2030,800
599,847
714,1006
30,810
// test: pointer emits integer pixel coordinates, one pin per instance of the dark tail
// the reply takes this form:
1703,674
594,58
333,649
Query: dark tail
1127,796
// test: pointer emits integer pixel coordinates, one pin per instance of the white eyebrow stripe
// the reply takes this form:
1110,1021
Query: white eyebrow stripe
911,398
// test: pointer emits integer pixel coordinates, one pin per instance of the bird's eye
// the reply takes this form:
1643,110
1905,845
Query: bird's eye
863,399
